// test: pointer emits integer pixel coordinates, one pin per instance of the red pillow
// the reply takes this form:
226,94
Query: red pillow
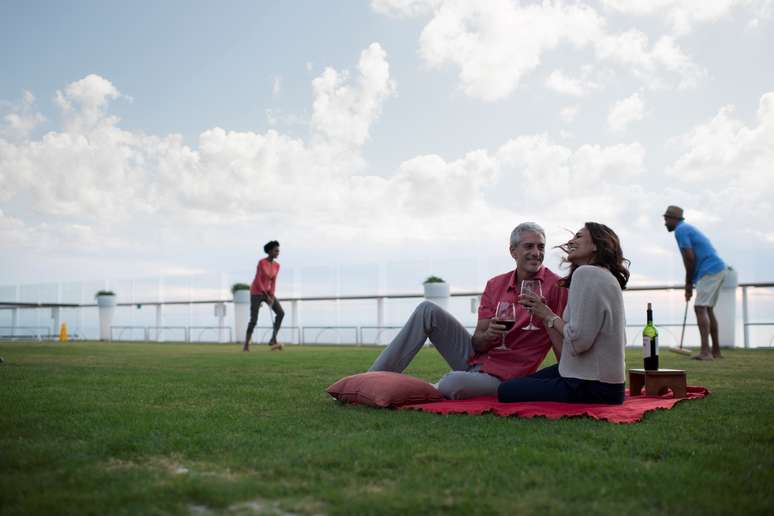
383,389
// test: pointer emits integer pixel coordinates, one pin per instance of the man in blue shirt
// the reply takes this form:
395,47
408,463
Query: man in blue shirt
705,270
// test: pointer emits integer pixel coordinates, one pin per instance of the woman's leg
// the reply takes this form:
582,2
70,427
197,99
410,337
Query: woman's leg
600,392
279,314
544,385
255,304
548,385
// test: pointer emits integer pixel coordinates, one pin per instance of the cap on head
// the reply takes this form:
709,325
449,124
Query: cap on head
675,212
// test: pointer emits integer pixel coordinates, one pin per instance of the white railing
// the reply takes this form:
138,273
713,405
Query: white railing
315,333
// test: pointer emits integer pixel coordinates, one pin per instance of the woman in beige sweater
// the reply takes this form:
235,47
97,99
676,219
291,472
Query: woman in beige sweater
591,332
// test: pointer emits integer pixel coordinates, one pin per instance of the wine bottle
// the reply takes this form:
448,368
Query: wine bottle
650,343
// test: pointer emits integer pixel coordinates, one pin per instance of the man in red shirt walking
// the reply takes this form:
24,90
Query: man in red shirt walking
478,365
262,291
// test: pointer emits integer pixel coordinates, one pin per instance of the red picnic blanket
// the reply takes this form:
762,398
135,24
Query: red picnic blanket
632,410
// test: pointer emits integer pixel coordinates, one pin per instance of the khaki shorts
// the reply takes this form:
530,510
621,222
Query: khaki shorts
708,289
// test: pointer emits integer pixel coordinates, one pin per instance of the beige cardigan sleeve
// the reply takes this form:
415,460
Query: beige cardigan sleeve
587,308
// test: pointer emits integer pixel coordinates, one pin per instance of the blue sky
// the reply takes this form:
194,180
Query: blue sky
175,137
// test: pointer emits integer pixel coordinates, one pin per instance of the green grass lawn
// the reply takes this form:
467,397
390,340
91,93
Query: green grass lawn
128,428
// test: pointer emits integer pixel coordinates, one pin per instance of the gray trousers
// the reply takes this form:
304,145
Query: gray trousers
452,341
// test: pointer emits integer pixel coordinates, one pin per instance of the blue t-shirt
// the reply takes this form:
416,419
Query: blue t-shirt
707,259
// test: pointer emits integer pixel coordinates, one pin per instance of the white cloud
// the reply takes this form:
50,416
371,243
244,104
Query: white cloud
574,86
276,86
404,8
96,169
626,111
107,187
682,15
569,113
13,232
724,150
630,48
22,118
343,112
429,185
278,118
562,186
495,44
727,165
83,103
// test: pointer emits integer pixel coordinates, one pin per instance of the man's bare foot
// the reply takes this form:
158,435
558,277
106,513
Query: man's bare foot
702,356
245,348
716,354
276,347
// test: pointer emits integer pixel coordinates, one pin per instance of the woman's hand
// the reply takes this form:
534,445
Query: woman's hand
537,304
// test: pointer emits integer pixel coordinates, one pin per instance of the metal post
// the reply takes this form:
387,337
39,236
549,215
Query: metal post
55,317
159,317
15,312
379,319
294,316
81,332
744,318
220,311
159,307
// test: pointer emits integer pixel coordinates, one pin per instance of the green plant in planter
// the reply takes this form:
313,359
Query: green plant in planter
433,279
239,286
104,293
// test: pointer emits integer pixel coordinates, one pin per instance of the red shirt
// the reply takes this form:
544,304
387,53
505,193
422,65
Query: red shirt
527,348
265,277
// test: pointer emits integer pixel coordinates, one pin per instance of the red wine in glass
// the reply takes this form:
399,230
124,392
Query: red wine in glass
505,314
508,324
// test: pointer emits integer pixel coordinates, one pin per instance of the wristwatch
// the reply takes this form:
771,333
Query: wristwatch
550,322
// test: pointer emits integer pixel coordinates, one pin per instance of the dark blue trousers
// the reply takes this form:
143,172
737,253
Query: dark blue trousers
548,385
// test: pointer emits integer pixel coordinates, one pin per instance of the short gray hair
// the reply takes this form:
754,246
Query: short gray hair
524,227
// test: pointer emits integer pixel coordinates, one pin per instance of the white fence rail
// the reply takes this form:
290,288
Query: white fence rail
369,313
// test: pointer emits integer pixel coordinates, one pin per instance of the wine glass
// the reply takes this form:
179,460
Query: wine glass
533,287
505,314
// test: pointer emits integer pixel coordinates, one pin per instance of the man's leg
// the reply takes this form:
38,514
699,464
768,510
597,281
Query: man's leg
449,337
460,385
703,320
713,324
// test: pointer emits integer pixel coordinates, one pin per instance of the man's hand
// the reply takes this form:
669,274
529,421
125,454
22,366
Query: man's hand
495,331
488,334
269,299
688,292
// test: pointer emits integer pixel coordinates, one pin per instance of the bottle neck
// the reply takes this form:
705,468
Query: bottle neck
650,317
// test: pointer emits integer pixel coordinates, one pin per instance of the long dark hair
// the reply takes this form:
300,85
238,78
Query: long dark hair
609,254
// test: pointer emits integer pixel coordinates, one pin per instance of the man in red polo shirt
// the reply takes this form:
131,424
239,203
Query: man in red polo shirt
478,366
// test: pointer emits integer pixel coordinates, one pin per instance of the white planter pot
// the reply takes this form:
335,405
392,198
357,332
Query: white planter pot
241,314
725,310
107,308
437,293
